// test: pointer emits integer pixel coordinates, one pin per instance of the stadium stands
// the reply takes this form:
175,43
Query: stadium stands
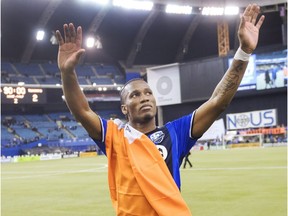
85,70
101,81
104,70
50,68
31,69
54,130
7,138
75,129
48,80
49,74
7,67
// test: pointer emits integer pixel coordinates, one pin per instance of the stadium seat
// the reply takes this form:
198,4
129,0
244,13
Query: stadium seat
31,69
50,68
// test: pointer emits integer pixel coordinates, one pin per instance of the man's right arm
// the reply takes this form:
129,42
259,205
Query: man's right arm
248,34
69,54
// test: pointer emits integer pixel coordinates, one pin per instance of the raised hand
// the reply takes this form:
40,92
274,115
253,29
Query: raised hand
248,32
70,48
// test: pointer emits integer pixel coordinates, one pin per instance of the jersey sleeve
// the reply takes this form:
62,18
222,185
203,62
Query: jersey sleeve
183,127
101,143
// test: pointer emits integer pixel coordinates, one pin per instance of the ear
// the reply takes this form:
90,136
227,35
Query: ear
124,109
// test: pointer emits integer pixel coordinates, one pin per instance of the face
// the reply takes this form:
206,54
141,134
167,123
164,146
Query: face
139,104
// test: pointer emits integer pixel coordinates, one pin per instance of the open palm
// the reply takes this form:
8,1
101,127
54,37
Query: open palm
70,49
249,30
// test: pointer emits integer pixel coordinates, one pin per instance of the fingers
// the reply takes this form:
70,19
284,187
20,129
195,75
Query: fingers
67,35
260,22
59,38
79,36
70,35
246,13
251,12
250,15
255,10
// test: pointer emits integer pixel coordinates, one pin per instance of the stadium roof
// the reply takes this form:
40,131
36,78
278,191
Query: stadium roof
132,37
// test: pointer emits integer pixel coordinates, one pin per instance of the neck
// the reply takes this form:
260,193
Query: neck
144,127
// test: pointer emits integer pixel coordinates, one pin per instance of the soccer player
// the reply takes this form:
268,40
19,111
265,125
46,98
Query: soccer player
143,159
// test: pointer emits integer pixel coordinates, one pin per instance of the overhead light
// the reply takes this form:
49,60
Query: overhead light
98,43
177,9
90,42
231,10
100,2
94,42
40,35
132,4
219,11
213,11
53,40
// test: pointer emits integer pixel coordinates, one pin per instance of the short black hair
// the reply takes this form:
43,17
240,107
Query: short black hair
128,82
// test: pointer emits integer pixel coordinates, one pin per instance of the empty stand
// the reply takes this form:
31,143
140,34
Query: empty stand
31,69
85,70
102,81
50,69
48,74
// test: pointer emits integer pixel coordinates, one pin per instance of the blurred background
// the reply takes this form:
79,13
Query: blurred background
126,39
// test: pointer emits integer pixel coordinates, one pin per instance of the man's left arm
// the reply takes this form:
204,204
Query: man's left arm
224,92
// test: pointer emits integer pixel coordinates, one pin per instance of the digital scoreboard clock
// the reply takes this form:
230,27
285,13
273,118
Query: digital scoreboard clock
22,95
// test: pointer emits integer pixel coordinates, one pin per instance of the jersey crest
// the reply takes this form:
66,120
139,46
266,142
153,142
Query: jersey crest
157,137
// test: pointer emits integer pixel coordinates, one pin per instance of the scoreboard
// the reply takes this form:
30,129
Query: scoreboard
52,95
23,95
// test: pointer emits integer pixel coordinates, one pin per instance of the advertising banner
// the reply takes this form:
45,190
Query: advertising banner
165,84
88,154
253,119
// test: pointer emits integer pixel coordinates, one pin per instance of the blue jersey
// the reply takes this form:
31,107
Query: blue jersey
173,141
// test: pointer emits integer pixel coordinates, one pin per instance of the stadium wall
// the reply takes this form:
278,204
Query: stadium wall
243,102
